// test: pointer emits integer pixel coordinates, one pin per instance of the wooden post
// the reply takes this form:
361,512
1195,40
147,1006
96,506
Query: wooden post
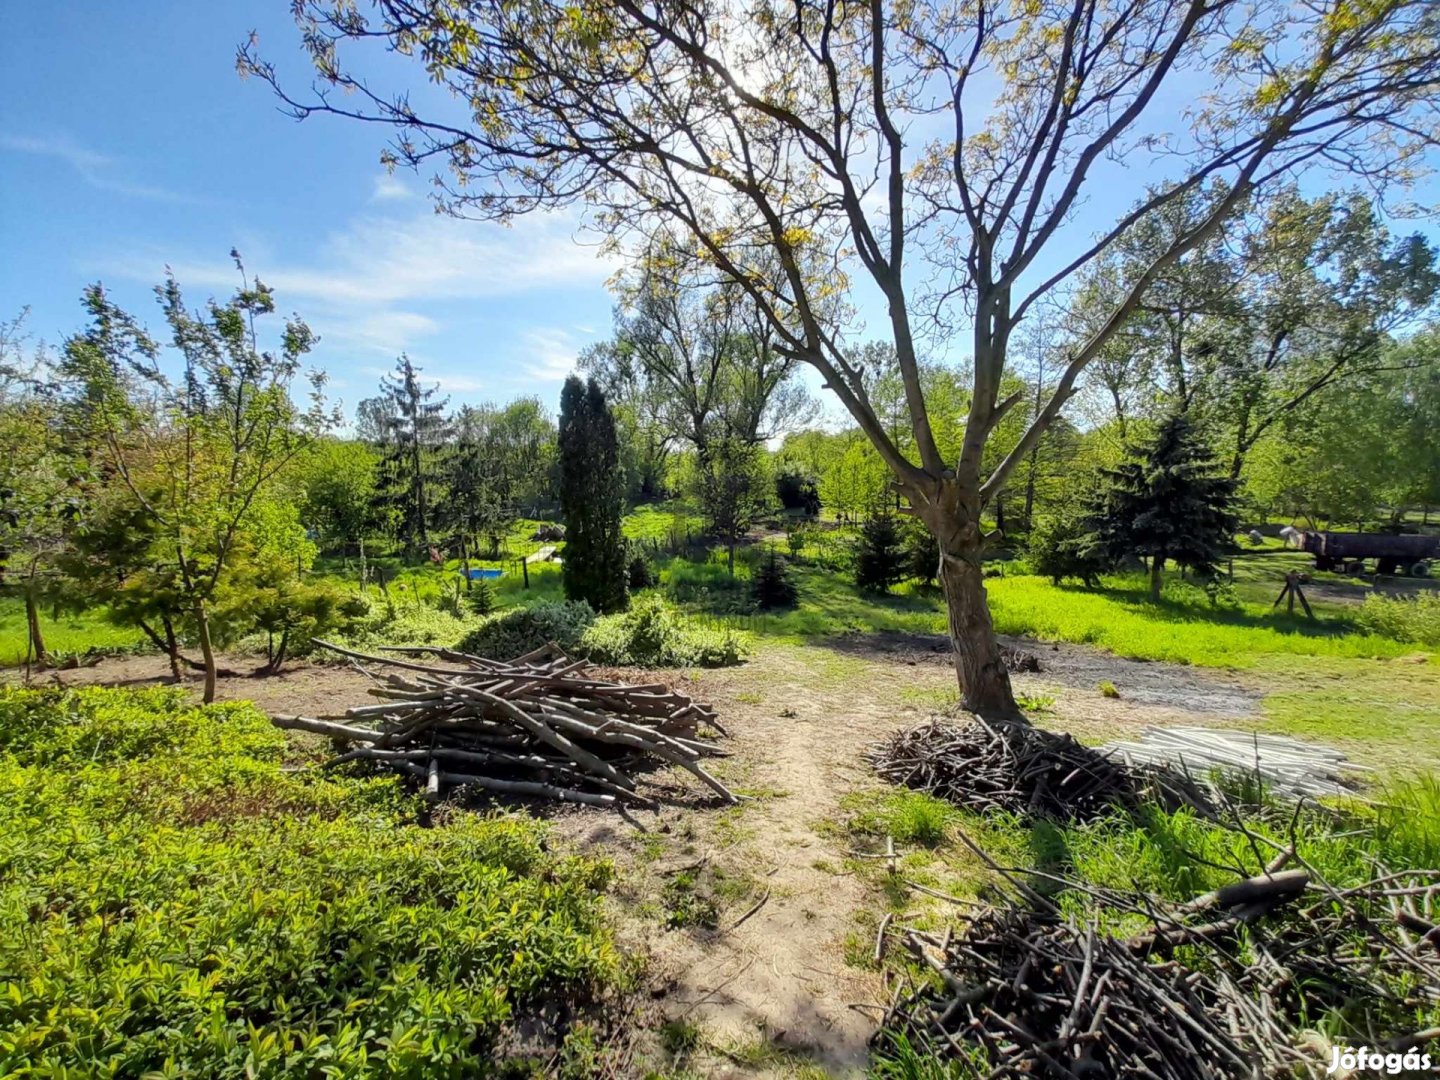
1290,593
525,571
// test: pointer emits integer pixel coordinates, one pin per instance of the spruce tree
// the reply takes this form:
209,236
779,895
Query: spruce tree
880,556
415,428
591,486
771,586
1169,504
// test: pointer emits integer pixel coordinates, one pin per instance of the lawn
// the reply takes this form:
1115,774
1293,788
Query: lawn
72,634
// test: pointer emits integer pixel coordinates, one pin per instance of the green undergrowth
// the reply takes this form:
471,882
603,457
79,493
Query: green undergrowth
174,902
652,633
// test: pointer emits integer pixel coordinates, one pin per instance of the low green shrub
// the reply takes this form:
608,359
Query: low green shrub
1414,618
173,903
653,634
514,633
405,624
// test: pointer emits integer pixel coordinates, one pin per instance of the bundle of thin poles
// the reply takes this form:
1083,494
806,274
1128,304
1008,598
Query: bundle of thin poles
542,726
1226,985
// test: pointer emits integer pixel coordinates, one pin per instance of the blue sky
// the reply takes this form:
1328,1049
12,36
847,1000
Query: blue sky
128,143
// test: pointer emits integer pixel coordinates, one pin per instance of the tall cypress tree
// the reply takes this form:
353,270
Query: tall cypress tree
592,498
415,428
1170,503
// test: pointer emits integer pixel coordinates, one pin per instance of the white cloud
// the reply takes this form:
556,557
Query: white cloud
388,186
96,169
381,260
553,353
364,284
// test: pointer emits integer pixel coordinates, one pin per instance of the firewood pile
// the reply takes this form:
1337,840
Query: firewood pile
542,726
987,766
1227,985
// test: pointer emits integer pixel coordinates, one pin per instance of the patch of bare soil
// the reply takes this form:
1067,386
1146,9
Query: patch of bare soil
1080,667
301,687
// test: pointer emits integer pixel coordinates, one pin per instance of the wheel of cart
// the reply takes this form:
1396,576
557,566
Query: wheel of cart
1420,569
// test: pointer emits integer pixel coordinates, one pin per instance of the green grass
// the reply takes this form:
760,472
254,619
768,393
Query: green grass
70,634
662,521
174,902
1382,713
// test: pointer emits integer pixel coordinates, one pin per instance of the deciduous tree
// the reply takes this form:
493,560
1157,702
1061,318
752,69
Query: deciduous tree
941,152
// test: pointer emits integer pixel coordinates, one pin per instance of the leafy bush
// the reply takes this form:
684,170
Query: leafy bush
796,491
1414,619
641,570
514,633
771,585
405,624
879,557
652,634
173,903
1061,546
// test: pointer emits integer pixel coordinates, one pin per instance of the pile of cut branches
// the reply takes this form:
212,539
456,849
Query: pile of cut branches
1223,986
543,726
986,766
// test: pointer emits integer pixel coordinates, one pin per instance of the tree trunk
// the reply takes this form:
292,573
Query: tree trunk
984,680
363,567
731,557
1157,564
465,561
207,650
32,622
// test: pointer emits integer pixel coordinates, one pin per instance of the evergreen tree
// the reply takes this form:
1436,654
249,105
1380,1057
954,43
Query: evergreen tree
922,553
592,498
772,586
880,556
1169,503
415,428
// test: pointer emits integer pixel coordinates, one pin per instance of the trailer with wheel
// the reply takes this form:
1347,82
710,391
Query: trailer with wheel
1393,553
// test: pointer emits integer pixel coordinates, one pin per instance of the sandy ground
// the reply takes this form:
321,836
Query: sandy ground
768,985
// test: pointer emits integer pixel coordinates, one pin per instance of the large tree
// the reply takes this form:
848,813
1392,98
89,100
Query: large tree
414,433
943,153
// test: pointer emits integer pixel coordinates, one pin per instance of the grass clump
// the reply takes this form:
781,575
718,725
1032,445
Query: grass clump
173,903
653,634
1415,618
911,817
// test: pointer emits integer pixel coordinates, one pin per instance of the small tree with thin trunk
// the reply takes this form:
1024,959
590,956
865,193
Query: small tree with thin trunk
1170,503
192,457
591,486
731,487
943,153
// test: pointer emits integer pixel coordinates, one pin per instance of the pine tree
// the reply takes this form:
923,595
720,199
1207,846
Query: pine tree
880,556
592,498
1169,503
415,428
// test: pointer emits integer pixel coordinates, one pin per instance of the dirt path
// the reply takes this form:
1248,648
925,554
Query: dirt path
744,913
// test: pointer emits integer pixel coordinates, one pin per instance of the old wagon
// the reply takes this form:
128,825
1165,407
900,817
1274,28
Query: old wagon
1393,553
